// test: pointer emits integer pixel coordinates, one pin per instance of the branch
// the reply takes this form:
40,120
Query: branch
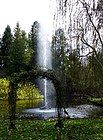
85,5
86,43
94,50
65,3
86,54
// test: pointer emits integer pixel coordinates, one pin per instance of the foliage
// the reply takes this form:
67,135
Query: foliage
59,50
26,91
78,129
6,44
96,73
96,101
84,26
4,88
74,69
33,42
20,52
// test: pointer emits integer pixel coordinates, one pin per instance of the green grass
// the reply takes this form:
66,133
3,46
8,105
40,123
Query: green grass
74,129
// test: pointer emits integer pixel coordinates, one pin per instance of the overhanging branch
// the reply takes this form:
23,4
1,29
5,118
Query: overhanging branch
86,6
94,50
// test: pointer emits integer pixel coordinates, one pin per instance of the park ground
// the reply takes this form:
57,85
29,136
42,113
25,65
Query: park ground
73,129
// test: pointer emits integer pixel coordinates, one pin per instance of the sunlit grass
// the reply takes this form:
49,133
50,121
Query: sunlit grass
74,129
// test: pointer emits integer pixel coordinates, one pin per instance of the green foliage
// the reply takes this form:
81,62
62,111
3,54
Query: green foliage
33,42
6,43
83,74
27,91
74,69
79,129
89,75
4,88
59,50
20,52
96,101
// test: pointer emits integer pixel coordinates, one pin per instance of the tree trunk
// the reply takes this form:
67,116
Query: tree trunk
12,106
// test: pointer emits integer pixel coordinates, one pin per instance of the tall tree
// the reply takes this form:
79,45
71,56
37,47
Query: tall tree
60,59
20,53
33,42
90,34
59,50
6,44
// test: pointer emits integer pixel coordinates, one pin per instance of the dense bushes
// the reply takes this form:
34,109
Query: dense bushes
4,88
27,91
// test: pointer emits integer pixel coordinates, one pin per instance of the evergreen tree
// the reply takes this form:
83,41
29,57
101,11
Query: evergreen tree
6,44
33,42
59,50
20,53
74,68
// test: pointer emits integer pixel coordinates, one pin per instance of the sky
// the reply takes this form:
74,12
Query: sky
26,12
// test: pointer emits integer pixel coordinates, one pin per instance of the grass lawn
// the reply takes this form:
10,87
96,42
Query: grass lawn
74,129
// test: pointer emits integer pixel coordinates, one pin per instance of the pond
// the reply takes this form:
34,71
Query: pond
20,106
32,108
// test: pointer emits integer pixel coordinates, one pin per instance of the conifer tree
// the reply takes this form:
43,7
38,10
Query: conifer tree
6,44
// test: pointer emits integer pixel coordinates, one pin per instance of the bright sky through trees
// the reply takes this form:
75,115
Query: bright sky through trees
26,12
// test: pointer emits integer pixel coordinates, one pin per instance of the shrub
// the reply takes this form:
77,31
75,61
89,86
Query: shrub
27,91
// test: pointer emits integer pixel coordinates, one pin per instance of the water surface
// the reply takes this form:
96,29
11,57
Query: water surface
75,109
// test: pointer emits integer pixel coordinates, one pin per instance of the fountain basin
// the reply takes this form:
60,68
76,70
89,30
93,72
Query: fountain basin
80,111
41,113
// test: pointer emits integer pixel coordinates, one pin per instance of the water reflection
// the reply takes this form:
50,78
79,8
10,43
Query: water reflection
20,105
29,103
75,109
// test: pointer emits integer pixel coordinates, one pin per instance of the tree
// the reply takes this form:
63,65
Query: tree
6,43
20,52
59,50
90,29
85,27
91,37
74,69
65,62
86,21
95,77
33,42
27,49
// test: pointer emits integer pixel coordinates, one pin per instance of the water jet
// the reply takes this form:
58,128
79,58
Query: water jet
46,87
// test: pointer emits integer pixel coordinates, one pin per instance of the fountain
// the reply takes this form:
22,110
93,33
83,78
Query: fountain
44,62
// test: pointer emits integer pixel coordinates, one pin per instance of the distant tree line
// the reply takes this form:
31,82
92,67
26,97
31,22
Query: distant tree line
17,49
